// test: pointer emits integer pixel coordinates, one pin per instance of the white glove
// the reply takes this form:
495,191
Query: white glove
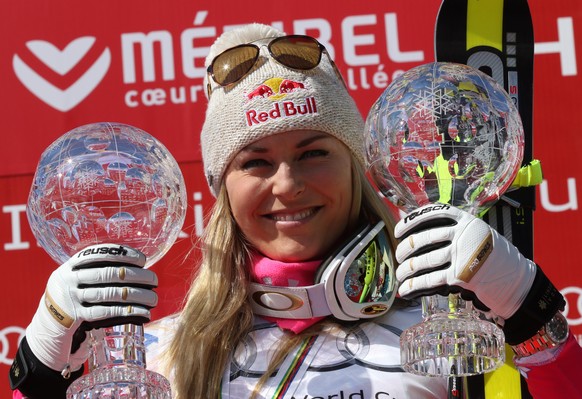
444,250
101,286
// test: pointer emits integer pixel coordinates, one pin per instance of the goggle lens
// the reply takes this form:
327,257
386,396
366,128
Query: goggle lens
369,278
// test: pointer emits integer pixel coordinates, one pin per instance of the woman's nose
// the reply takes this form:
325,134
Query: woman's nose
287,181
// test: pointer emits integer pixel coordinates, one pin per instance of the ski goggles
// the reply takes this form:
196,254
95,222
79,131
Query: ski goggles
294,51
356,282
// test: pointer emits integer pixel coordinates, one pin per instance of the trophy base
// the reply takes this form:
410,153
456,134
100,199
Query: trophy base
452,345
120,382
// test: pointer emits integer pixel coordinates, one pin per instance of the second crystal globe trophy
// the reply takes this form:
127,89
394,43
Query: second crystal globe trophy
109,183
448,133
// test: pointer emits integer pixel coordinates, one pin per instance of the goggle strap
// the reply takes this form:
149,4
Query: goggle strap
289,302
328,296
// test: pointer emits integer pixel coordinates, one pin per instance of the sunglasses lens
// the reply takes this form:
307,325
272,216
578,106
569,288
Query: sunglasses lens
234,64
297,52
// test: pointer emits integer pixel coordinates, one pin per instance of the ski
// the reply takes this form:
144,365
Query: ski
496,37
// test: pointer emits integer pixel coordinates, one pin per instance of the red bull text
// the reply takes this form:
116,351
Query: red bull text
281,109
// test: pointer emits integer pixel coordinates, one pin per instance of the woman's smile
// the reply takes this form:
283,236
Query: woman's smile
285,216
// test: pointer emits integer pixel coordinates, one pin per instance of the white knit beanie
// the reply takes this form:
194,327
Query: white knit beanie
289,99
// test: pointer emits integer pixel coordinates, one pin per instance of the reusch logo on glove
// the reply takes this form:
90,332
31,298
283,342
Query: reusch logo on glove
428,209
103,251
481,255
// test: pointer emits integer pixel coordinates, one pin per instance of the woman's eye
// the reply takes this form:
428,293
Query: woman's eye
314,153
254,163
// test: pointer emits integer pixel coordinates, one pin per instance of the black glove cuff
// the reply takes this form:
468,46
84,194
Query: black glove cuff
540,305
35,380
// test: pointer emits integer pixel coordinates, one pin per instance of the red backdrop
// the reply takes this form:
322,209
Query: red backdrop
63,65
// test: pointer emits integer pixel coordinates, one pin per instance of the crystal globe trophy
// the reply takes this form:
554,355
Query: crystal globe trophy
446,133
109,183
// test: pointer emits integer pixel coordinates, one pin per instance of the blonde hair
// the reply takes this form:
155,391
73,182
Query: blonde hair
217,315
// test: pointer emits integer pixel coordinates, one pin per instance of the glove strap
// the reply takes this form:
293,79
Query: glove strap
540,305
35,380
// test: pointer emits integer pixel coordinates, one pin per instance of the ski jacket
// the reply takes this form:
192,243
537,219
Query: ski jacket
362,361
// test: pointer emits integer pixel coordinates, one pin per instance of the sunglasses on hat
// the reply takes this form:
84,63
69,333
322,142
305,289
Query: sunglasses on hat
356,282
294,51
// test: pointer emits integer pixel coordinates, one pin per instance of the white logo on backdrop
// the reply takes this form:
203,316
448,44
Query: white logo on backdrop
577,293
62,62
5,343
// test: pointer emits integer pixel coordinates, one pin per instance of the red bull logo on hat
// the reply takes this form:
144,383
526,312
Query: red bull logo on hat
277,89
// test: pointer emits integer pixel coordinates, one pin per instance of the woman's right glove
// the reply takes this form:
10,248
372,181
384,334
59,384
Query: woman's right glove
444,249
101,286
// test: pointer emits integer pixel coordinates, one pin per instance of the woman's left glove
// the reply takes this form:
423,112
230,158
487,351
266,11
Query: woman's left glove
444,249
102,285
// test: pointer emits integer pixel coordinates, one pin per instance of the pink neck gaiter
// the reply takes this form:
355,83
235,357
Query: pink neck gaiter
283,274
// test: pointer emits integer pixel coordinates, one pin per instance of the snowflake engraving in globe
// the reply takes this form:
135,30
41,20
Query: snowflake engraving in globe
444,132
106,183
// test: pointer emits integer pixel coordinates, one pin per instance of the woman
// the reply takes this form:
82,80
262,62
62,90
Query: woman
283,153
